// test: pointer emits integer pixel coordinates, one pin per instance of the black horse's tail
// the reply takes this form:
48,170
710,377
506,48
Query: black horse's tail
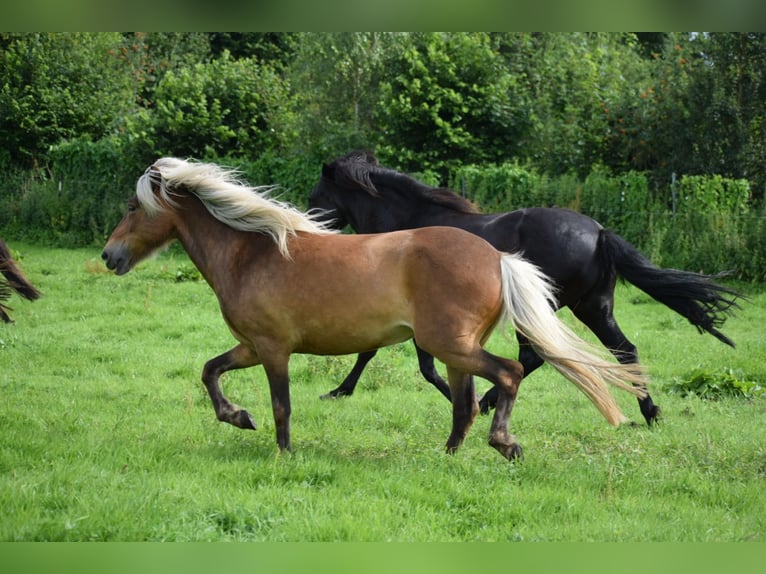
14,280
695,296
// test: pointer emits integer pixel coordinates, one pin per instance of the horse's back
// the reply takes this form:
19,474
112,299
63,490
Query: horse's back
562,243
395,285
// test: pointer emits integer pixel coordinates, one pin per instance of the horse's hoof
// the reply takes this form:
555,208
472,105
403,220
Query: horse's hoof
512,451
654,417
334,395
484,406
245,420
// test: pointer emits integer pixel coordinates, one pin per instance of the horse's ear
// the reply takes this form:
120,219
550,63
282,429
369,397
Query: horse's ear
328,171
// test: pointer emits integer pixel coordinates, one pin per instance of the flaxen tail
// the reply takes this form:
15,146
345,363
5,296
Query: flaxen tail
529,306
13,281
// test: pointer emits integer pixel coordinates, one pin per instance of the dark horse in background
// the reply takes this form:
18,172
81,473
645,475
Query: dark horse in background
13,281
583,259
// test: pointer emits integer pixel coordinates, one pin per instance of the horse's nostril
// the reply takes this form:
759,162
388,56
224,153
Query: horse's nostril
104,255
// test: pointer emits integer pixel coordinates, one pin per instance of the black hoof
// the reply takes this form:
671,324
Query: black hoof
336,393
245,420
485,406
512,452
653,416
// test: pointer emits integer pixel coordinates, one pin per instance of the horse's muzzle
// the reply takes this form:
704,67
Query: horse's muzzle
117,259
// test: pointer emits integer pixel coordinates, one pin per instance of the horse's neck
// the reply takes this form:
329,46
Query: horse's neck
391,212
411,212
213,247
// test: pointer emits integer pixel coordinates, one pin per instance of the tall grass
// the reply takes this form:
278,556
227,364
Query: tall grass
108,434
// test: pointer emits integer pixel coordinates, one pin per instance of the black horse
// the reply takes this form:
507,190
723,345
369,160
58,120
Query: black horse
582,257
13,281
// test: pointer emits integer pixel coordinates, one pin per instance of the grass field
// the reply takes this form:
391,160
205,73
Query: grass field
108,434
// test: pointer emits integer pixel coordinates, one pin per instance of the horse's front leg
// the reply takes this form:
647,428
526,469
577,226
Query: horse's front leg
279,384
428,370
239,357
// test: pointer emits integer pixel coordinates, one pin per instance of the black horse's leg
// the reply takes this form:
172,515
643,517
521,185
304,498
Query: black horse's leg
428,370
239,357
346,388
464,407
528,358
597,313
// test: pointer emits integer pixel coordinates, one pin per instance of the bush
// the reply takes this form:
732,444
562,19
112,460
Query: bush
710,227
210,109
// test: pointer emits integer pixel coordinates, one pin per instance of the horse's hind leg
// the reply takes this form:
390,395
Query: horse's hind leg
506,375
464,406
528,358
346,388
239,357
597,314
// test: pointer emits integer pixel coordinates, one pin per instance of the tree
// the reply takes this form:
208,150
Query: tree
728,104
273,48
55,86
573,81
448,99
337,79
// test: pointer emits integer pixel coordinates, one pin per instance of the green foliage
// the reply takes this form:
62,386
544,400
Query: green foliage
714,227
55,86
187,272
713,194
621,202
596,122
573,80
212,108
448,96
713,385
338,76
501,187
81,199
294,176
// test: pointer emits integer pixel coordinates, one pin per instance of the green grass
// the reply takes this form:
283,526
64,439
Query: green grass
108,434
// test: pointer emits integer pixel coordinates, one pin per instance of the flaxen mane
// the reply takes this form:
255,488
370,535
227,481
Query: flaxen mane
362,169
227,198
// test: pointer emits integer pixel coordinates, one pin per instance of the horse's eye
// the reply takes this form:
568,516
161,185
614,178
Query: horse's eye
132,207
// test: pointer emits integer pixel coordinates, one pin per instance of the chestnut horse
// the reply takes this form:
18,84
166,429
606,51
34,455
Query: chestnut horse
13,281
286,284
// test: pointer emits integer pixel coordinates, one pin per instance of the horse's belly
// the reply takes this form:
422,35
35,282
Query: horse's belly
352,337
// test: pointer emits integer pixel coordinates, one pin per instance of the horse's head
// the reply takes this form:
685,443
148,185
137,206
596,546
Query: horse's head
336,195
325,201
141,232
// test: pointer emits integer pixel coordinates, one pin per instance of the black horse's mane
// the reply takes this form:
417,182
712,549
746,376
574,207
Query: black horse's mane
362,169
